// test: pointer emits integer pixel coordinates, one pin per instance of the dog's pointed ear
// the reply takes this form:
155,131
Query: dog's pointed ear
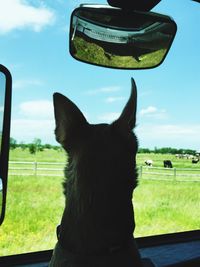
69,120
128,115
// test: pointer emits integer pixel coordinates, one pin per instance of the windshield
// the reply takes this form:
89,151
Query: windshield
34,46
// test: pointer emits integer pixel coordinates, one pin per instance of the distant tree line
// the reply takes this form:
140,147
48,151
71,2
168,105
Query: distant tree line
37,145
33,147
168,150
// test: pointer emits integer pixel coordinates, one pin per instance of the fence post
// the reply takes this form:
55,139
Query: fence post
174,174
35,168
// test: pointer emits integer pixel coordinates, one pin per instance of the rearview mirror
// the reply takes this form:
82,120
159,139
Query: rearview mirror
116,38
5,109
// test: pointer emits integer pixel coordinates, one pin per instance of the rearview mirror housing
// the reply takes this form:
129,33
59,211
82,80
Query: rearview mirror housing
5,111
122,39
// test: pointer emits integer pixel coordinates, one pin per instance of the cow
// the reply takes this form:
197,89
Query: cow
149,162
194,161
167,164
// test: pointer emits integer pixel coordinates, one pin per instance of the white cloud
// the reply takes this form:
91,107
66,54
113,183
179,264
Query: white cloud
109,117
169,130
153,112
19,84
174,135
148,110
113,99
26,130
103,90
39,109
177,130
19,14
1,108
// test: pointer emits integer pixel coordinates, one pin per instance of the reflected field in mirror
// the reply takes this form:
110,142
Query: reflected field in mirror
2,98
91,52
1,194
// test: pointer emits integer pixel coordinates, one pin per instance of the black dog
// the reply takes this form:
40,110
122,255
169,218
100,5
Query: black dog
98,221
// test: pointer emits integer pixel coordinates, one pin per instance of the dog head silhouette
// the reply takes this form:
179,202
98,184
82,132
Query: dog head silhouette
99,178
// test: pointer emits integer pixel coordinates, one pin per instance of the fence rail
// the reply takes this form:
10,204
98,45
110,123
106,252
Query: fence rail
175,174
23,168
36,168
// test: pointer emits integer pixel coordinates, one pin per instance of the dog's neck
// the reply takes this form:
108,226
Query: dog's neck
97,214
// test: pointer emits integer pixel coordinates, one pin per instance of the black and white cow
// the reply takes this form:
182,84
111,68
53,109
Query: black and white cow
194,161
149,162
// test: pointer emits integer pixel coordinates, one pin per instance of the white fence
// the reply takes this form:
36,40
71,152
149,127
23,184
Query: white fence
173,174
36,168
150,173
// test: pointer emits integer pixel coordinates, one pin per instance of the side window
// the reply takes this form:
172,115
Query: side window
34,45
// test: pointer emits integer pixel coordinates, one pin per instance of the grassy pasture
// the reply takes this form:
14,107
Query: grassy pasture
35,204
91,52
47,155
158,160
183,169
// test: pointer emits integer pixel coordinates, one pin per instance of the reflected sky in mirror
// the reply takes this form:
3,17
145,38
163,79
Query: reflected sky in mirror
2,95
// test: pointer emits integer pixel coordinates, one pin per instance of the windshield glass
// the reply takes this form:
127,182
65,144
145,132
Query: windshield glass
34,46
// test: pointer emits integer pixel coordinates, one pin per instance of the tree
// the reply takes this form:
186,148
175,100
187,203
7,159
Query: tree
47,146
144,150
32,148
37,142
23,146
13,143
35,146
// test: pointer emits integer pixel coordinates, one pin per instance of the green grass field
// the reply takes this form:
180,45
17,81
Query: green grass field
91,52
35,205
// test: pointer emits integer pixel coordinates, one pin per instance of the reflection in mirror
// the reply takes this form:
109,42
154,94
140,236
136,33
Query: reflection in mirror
111,38
1,196
5,104
2,96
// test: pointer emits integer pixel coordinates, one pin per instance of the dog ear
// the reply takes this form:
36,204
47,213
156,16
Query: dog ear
69,121
128,115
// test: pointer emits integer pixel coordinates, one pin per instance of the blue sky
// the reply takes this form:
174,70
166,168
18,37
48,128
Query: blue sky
2,93
34,46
